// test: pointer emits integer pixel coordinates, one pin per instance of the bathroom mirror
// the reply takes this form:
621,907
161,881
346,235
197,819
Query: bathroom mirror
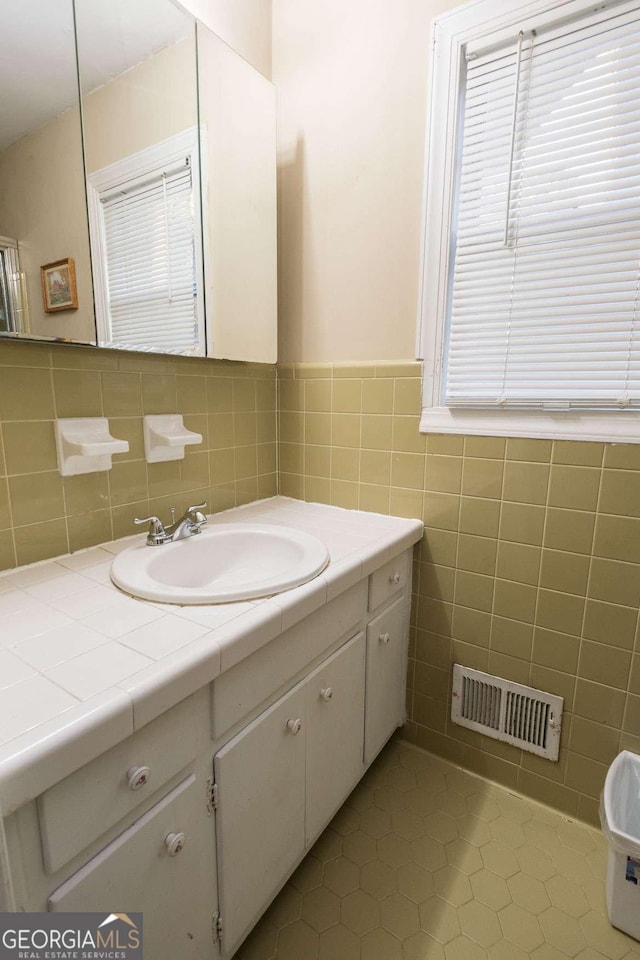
164,239
138,82
238,140
45,272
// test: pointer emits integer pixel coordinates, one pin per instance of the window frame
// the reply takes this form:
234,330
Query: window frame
481,22
189,144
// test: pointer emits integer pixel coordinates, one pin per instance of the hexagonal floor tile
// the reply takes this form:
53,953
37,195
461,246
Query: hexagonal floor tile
422,947
375,822
360,912
463,856
320,909
499,859
491,889
359,847
568,896
378,879
339,941
296,941
440,920
479,923
394,850
380,945
341,876
440,827
535,862
528,893
415,882
562,932
474,830
399,915
521,927
464,949
407,824
428,853
452,885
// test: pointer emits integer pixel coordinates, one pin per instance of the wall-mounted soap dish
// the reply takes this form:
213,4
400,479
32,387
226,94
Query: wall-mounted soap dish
85,445
165,437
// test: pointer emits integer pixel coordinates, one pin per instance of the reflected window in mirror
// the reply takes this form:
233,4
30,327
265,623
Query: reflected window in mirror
144,217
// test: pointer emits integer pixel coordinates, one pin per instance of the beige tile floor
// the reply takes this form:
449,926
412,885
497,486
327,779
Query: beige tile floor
427,862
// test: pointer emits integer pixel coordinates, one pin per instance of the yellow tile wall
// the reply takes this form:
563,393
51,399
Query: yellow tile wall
233,405
529,569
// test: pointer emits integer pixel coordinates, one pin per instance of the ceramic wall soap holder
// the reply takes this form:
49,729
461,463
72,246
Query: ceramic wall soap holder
165,437
85,445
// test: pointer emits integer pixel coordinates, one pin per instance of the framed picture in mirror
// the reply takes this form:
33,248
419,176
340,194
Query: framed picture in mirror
59,285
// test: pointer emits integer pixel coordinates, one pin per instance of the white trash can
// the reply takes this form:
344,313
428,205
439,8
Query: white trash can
620,816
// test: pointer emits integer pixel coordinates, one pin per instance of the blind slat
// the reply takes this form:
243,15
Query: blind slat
552,315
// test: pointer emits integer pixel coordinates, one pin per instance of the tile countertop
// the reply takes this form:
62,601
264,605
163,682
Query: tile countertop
83,665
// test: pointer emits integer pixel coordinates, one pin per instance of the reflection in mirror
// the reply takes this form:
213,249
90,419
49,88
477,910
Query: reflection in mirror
43,216
137,65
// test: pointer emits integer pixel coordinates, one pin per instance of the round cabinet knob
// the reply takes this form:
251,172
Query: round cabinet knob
326,693
174,842
385,637
294,726
137,777
395,578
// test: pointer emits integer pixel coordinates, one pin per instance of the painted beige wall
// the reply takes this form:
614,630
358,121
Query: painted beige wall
352,96
243,24
42,205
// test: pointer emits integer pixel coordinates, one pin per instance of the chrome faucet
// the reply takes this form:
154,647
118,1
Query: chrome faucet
190,523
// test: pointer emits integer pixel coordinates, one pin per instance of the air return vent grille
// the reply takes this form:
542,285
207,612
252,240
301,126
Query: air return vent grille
507,711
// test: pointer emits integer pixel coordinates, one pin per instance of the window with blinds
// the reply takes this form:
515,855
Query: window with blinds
543,303
149,261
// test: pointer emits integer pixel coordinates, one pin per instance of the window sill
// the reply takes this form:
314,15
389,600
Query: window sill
604,427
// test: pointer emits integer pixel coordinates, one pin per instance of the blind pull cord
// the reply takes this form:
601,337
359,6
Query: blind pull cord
514,122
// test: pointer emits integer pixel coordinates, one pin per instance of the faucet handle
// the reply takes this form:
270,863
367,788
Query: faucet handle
153,520
196,506
156,529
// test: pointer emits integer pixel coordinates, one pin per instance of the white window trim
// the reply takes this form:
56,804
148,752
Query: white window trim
475,23
168,151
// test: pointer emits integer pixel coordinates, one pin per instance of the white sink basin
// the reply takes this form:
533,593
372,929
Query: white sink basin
227,561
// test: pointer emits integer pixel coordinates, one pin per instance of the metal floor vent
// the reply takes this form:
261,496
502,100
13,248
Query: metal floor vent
507,711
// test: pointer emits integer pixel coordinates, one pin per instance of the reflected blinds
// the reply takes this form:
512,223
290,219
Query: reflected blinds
150,261
544,296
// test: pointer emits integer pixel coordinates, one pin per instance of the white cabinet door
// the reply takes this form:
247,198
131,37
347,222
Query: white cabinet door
260,814
387,646
137,873
335,729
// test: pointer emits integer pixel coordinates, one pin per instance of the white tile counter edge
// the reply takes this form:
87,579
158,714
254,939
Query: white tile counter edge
85,722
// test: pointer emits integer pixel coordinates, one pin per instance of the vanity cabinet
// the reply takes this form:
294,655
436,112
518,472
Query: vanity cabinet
281,779
249,768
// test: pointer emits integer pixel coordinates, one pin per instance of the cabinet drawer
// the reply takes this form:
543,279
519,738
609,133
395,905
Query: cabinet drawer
79,809
389,580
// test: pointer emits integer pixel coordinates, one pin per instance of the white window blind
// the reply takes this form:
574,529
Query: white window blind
150,263
544,295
